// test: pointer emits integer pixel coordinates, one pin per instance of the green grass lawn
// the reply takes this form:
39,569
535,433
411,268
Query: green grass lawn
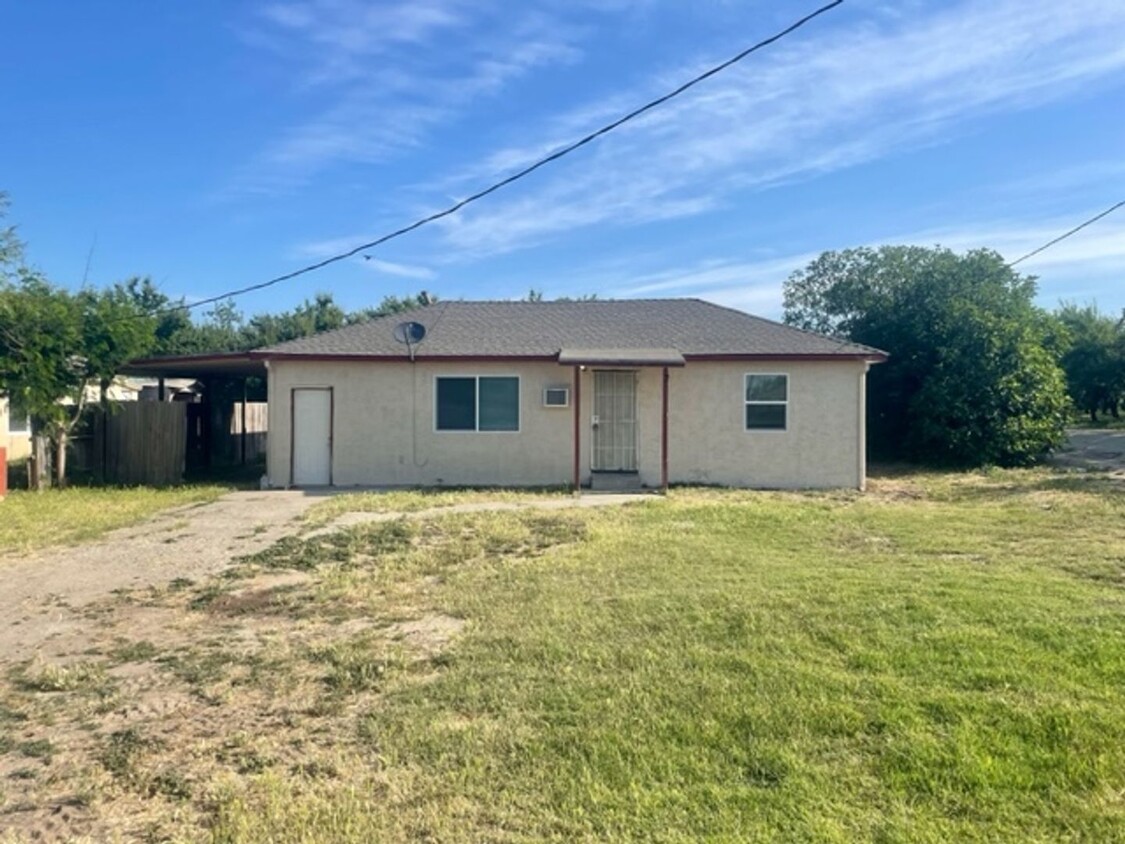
941,659
30,520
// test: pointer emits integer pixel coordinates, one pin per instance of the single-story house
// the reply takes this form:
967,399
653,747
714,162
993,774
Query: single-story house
605,393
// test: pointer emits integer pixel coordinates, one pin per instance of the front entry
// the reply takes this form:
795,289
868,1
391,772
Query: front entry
615,421
312,437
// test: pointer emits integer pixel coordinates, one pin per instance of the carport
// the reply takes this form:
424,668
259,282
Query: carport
222,420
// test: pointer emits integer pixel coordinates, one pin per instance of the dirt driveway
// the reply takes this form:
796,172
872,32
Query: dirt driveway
43,595
1094,449
42,592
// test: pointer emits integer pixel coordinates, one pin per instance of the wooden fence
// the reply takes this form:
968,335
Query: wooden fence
154,443
141,443
233,446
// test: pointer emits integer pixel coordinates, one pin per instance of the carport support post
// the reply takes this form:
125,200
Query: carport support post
160,388
664,431
242,439
577,429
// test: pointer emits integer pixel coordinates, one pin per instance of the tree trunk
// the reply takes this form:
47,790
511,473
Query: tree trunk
60,459
37,468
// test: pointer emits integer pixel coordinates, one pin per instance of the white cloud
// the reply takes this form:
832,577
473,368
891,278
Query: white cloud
334,246
1086,265
400,270
829,97
388,74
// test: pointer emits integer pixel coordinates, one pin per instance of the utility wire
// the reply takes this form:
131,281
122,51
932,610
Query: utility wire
526,171
1065,235
844,341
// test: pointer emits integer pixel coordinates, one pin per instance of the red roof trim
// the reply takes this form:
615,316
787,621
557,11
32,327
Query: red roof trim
873,357
404,358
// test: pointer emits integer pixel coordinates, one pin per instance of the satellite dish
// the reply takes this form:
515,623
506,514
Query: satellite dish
410,332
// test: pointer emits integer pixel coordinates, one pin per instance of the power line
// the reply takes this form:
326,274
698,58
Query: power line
1064,236
526,171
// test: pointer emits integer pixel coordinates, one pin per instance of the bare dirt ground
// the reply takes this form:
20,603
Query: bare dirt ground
1096,450
594,500
143,674
42,593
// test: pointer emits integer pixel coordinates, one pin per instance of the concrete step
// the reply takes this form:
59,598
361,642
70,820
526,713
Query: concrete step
615,482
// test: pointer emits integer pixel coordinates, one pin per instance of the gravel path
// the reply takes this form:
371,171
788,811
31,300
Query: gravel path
41,594
1095,449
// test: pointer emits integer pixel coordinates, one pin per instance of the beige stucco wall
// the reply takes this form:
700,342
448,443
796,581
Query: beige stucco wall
384,426
822,445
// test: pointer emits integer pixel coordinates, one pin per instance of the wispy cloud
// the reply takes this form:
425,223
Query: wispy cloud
1077,268
384,76
830,98
400,270
334,246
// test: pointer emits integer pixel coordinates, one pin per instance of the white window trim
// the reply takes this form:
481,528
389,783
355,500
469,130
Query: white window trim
476,419
565,387
747,402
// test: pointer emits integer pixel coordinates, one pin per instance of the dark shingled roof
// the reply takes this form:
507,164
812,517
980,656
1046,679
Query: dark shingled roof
542,329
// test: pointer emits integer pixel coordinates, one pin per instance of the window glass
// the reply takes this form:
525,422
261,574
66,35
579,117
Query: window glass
767,402
770,417
456,404
766,388
499,404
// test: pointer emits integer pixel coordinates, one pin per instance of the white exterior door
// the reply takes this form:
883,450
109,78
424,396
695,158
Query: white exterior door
312,437
615,421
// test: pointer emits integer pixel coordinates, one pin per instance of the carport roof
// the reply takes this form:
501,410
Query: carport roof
225,365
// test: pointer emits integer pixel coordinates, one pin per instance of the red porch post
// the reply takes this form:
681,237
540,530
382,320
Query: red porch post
664,432
577,429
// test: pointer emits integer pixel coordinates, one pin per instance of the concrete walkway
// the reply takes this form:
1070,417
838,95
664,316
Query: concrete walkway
1095,449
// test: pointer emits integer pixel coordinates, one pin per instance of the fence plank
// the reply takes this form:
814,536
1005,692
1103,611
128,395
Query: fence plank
145,443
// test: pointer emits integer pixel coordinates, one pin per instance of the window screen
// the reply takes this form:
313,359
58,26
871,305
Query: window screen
767,402
478,404
457,404
499,404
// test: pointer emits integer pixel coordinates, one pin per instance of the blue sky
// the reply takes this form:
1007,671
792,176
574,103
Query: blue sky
217,143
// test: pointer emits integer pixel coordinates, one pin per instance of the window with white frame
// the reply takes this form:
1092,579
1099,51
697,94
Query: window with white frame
767,402
477,403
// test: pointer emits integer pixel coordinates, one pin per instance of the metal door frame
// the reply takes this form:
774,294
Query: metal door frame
594,411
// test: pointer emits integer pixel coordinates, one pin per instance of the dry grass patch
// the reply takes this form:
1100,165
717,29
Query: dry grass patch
415,500
30,520
938,660
264,674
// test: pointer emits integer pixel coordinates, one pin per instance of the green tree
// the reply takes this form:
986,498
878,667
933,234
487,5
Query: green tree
173,330
973,375
41,361
114,332
1094,360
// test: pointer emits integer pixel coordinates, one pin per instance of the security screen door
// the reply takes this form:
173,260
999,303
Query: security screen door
615,421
